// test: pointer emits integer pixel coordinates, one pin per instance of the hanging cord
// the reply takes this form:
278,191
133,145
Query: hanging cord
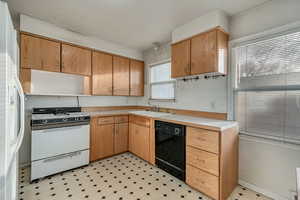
78,104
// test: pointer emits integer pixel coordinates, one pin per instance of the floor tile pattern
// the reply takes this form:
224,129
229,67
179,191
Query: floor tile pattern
122,177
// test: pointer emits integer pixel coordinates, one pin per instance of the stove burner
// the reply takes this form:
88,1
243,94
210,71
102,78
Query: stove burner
61,113
56,110
43,118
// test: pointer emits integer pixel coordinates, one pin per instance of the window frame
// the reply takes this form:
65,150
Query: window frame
232,79
160,82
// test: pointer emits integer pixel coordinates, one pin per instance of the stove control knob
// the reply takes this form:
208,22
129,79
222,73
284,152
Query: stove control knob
64,120
82,118
44,121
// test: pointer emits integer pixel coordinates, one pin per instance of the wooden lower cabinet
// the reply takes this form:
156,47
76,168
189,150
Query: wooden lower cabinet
212,161
203,160
121,138
139,140
107,137
102,141
202,181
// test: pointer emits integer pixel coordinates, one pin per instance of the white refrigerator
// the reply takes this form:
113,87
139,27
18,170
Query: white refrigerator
11,106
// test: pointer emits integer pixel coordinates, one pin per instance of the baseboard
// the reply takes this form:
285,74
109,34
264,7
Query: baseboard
262,191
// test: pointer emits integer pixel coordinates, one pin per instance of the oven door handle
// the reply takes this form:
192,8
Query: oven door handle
59,157
55,129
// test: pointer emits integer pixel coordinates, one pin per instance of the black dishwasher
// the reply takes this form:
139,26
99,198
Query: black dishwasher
170,148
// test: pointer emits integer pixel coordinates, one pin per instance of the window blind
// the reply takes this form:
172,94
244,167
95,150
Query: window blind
267,88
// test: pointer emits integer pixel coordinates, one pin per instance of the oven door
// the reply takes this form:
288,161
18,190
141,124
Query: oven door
56,141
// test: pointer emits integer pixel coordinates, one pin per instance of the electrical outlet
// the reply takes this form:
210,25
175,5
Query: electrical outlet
294,195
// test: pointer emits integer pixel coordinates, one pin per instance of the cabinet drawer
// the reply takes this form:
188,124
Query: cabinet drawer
202,181
106,120
143,121
121,119
203,160
203,139
60,163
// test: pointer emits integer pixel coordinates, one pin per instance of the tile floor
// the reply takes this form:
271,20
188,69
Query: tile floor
122,177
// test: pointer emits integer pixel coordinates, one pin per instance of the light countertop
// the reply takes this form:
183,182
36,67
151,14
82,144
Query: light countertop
175,118
200,121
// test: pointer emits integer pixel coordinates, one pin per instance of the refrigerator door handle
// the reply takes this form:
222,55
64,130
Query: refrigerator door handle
22,114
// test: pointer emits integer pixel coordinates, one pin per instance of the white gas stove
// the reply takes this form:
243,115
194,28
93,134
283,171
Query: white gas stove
60,140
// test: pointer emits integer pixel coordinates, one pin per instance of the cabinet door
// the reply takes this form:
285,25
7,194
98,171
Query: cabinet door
131,138
40,54
102,74
139,141
136,78
142,142
120,76
31,55
181,59
76,60
204,53
121,138
102,140
50,55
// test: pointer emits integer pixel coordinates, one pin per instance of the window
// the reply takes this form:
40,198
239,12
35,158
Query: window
267,88
161,83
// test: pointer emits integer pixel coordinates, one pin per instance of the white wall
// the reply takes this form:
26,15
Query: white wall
269,15
267,167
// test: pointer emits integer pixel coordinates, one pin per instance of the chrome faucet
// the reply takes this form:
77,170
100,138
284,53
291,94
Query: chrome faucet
155,108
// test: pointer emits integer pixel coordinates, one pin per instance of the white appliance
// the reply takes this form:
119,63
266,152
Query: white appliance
11,106
60,140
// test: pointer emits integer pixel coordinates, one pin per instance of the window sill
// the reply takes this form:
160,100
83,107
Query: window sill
163,100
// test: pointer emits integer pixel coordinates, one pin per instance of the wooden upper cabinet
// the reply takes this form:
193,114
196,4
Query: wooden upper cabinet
40,54
136,78
121,76
203,53
31,52
209,52
102,77
50,55
76,60
181,59
204,46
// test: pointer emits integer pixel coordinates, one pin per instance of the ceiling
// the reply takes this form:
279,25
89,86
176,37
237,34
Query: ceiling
131,23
